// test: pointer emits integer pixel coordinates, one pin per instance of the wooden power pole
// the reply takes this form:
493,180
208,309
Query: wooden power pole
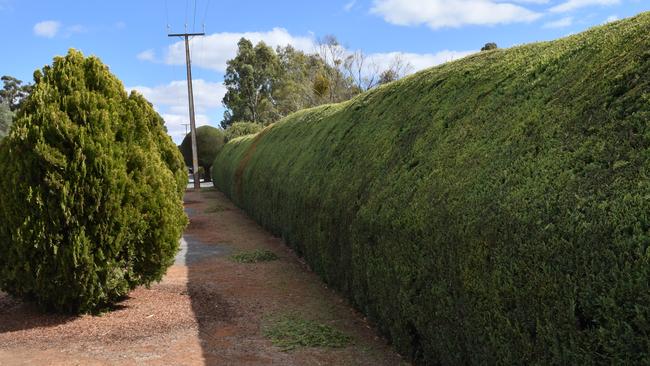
190,95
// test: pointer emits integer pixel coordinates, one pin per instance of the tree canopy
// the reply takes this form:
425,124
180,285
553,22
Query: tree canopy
264,85
13,92
6,117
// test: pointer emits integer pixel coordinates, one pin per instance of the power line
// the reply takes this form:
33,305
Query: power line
187,2
205,15
194,22
167,16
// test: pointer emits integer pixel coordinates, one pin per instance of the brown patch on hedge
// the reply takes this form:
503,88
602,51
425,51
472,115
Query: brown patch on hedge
239,173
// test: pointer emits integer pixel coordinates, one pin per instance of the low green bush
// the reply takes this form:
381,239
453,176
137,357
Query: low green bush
239,129
492,210
91,191
209,142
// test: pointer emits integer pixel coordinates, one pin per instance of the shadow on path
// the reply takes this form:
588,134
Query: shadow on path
209,306
17,315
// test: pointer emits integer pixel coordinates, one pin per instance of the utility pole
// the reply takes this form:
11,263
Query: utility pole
186,126
190,94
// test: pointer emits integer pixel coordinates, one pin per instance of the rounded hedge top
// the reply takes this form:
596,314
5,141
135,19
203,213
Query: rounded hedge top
91,192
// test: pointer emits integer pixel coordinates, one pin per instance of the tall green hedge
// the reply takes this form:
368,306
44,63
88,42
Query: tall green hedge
492,210
91,191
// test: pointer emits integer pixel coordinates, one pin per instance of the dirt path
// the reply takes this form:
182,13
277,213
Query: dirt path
208,310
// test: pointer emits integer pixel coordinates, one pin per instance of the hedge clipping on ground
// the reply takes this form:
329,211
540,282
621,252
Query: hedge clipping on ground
91,191
492,210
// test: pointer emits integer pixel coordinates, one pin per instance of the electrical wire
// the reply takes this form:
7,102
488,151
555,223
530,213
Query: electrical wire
168,27
194,22
205,14
187,2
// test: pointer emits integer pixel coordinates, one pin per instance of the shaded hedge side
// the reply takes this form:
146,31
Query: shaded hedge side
492,210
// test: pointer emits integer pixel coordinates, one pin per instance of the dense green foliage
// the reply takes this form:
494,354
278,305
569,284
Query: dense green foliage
249,82
209,141
6,118
239,129
91,191
13,92
265,85
492,210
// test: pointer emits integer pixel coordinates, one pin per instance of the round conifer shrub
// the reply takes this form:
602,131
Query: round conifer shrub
209,142
91,192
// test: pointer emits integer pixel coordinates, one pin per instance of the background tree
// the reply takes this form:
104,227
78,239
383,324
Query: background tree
397,69
300,83
362,70
341,87
489,46
265,85
6,118
91,191
249,79
239,129
13,92
209,141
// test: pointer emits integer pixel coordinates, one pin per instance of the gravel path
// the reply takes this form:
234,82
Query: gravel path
208,310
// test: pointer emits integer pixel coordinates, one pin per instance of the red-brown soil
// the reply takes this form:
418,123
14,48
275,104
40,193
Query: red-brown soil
208,310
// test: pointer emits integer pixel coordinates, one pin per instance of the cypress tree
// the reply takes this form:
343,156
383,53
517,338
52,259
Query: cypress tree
91,195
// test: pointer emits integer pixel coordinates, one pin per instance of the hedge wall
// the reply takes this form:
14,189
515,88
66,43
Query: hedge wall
492,210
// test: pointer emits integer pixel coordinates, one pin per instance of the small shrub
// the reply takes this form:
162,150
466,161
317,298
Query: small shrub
290,332
239,129
209,142
254,256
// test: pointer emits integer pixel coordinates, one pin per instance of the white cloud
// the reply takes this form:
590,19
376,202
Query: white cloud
213,51
47,29
611,18
451,13
419,61
349,5
526,1
147,55
175,124
560,23
170,100
571,5
207,94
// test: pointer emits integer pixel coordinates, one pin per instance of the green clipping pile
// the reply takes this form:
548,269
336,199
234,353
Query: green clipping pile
492,210
91,191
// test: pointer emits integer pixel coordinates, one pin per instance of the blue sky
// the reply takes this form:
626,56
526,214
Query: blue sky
130,36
